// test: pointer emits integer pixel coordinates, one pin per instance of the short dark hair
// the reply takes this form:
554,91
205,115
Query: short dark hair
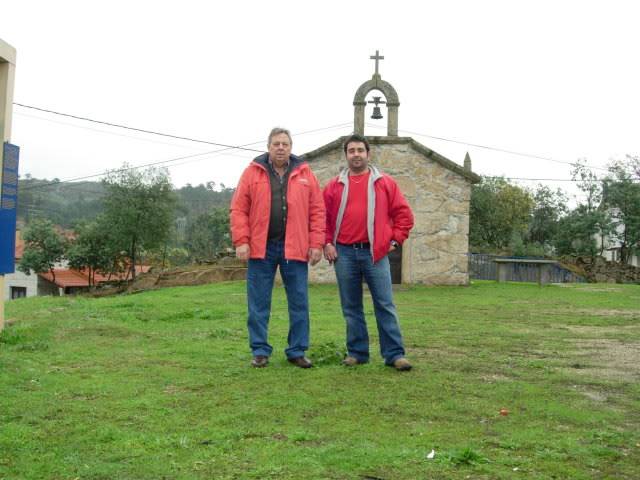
356,137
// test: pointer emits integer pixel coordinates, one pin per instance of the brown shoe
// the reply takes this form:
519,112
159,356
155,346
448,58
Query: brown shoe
350,361
402,364
260,361
302,362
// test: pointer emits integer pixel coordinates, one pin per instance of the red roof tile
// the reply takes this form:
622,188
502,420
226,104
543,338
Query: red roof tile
68,277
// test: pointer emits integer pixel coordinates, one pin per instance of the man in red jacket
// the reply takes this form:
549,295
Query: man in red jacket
278,219
367,217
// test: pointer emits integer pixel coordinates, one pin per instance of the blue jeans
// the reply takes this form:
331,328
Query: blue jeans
352,266
260,278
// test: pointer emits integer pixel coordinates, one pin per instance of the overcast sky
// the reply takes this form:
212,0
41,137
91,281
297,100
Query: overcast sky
556,79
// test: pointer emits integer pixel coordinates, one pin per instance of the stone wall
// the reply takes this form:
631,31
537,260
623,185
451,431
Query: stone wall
436,251
599,270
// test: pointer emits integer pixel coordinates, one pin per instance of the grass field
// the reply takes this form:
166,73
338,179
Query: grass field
158,386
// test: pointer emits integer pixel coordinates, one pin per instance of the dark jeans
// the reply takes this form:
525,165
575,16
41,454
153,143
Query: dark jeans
352,266
260,278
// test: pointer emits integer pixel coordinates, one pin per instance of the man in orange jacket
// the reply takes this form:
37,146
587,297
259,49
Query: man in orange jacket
278,219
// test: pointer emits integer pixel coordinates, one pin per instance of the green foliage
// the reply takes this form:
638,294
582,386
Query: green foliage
93,249
43,248
578,230
328,353
195,201
208,234
549,207
622,196
499,210
167,257
70,204
518,247
466,456
138,210
64,204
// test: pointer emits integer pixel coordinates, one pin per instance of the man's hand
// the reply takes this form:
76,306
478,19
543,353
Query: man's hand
242,251
315,255
330,253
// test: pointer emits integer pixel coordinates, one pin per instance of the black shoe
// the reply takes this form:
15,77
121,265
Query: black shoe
302,362
260,361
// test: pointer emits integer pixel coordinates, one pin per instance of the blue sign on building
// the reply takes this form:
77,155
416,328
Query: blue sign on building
8,207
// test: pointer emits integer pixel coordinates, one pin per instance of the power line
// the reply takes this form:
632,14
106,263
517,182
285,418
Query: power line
532,179
175,159
150,132
141,139
496,149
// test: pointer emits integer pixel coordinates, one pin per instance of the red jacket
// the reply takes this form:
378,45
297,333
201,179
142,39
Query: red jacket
251,207
392,218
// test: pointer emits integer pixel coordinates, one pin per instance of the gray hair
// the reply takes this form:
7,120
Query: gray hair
278,131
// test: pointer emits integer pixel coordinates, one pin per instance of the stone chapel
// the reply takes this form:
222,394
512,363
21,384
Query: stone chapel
438,190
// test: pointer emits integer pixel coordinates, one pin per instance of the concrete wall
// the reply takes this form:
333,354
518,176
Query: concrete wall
19,279
436,251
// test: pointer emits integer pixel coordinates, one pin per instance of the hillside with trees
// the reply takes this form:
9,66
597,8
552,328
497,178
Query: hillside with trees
192,226
134,215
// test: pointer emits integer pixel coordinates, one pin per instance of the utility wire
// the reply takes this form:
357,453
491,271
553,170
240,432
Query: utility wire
496,149
175,159
151,132
68,124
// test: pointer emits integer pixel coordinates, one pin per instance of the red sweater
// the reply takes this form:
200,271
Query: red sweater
391,217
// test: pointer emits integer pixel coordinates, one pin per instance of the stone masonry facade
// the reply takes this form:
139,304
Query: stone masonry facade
439,192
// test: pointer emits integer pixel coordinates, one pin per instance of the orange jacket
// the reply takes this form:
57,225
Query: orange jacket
251,207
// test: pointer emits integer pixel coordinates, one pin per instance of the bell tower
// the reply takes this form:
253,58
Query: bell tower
391,97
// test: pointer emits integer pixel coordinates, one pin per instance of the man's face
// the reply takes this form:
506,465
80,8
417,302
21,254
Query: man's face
280,149
357,157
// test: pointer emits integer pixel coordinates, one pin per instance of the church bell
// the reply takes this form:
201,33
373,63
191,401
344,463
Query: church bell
377,114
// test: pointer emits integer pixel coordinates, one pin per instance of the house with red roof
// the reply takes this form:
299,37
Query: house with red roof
67,281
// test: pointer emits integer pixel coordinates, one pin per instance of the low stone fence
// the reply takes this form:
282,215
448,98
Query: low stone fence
602,271
226,269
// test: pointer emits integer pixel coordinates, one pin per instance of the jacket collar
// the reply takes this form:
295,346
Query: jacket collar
344,174
294,161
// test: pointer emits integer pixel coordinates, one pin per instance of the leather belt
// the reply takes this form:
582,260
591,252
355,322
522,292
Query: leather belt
358,245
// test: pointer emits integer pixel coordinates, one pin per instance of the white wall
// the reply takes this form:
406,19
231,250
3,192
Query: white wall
19,279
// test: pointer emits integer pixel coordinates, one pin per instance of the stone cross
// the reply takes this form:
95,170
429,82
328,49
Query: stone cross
376,57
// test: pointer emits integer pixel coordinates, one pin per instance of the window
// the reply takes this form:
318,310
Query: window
18,292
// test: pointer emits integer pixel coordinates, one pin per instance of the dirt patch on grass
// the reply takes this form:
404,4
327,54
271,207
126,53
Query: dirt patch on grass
608,313
495,378
595,288
609,359
605,313
590,331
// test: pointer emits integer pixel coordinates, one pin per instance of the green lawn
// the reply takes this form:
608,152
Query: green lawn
158,386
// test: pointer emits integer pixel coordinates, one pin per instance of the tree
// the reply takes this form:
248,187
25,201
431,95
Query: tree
577,232
549,207
93,249
621,195
499,211
209,234
43,248
138,209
